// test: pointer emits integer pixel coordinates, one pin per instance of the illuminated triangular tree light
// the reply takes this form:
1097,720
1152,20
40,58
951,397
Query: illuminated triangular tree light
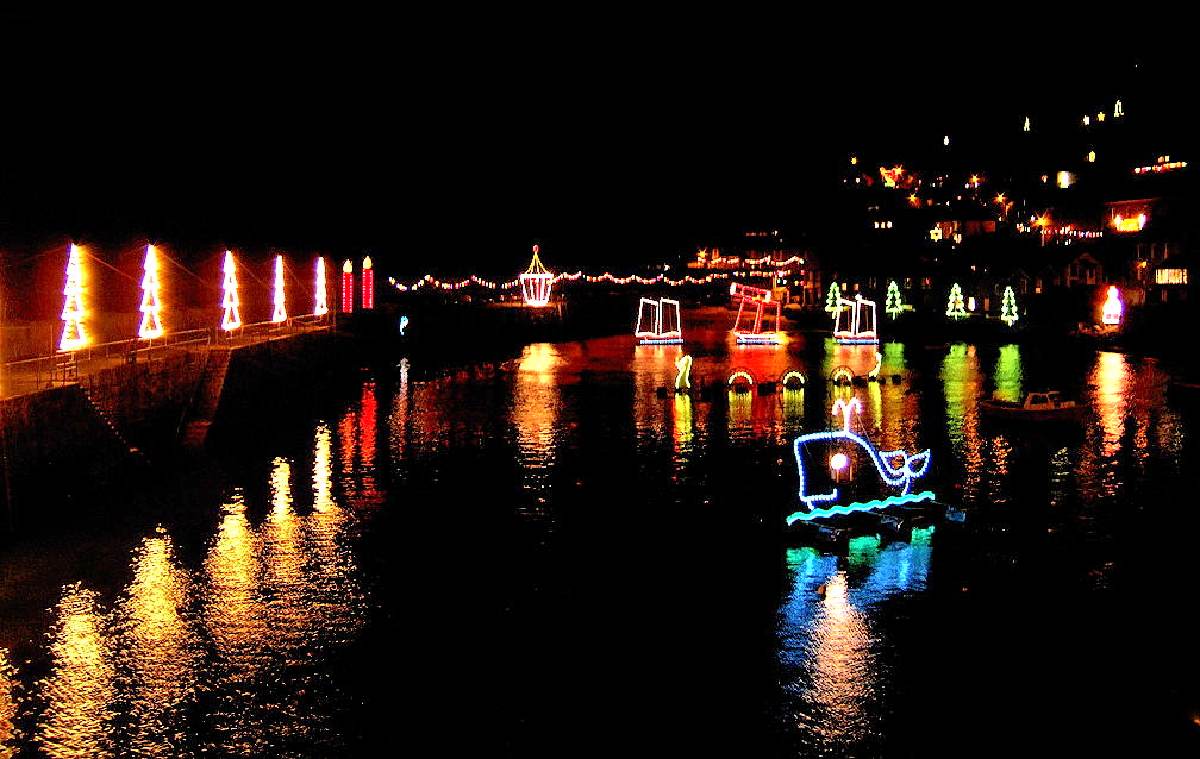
831,300
954,306
231,319
280,302
320,305
74,335
892,305
536,282
151,320
1008,307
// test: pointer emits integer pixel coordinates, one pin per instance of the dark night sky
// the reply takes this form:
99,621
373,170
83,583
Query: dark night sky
610,141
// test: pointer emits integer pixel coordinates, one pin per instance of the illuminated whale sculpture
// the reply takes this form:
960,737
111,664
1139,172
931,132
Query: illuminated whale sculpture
896,469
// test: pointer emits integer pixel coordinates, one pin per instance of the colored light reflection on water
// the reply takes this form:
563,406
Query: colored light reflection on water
645,543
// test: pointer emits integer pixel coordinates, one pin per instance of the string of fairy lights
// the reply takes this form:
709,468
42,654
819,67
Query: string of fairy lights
535,283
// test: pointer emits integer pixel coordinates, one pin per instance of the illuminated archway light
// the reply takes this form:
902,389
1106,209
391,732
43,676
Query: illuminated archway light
280,313
900,476
793,377
536,282
683,375
742,375
74,334
320,305
151,326
231,319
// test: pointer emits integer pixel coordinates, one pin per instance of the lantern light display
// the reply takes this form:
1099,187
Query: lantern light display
231,319
536,282
368,284
74,334
347,287
1113,308
151,326
896,469
320,303
280,313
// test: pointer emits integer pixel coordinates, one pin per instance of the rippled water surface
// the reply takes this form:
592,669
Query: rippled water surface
542,556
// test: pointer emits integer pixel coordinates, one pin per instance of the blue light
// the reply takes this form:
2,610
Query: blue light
850,508
403,324
896,477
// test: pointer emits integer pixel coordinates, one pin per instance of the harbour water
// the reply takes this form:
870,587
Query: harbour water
539,555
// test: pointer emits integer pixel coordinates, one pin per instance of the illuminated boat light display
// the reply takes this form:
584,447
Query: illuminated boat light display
857,332
74,335
231,319
1114,309
151,326
897,477
751,332
658,322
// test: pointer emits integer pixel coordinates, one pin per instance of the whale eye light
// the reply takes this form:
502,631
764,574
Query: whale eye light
838,461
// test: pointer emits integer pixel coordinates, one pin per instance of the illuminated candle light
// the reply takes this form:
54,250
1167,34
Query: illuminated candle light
280,299
368,284
348,287
320,306
74,334
151,326
231,319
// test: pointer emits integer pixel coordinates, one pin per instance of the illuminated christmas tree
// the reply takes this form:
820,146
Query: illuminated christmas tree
954,306
892,305
151,323
74,336
232,319
280,307
831,300
320,307
1008,308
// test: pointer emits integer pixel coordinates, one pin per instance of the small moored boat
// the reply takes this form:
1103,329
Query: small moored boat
1037,407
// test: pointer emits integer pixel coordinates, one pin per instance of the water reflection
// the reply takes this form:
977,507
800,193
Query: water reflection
159,649
8,705
80,691
827,645
534,416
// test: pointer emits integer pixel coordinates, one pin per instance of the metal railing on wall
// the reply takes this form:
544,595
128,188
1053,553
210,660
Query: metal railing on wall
64,367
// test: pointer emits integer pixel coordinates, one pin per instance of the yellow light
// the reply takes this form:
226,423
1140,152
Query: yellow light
151,324
74,335
853,160
1026,123
231,319
1064,179
1100,116
1091,156
280,300
320,306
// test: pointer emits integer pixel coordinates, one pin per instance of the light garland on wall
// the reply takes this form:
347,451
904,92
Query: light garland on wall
231,319
74,334
280,313
151,326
